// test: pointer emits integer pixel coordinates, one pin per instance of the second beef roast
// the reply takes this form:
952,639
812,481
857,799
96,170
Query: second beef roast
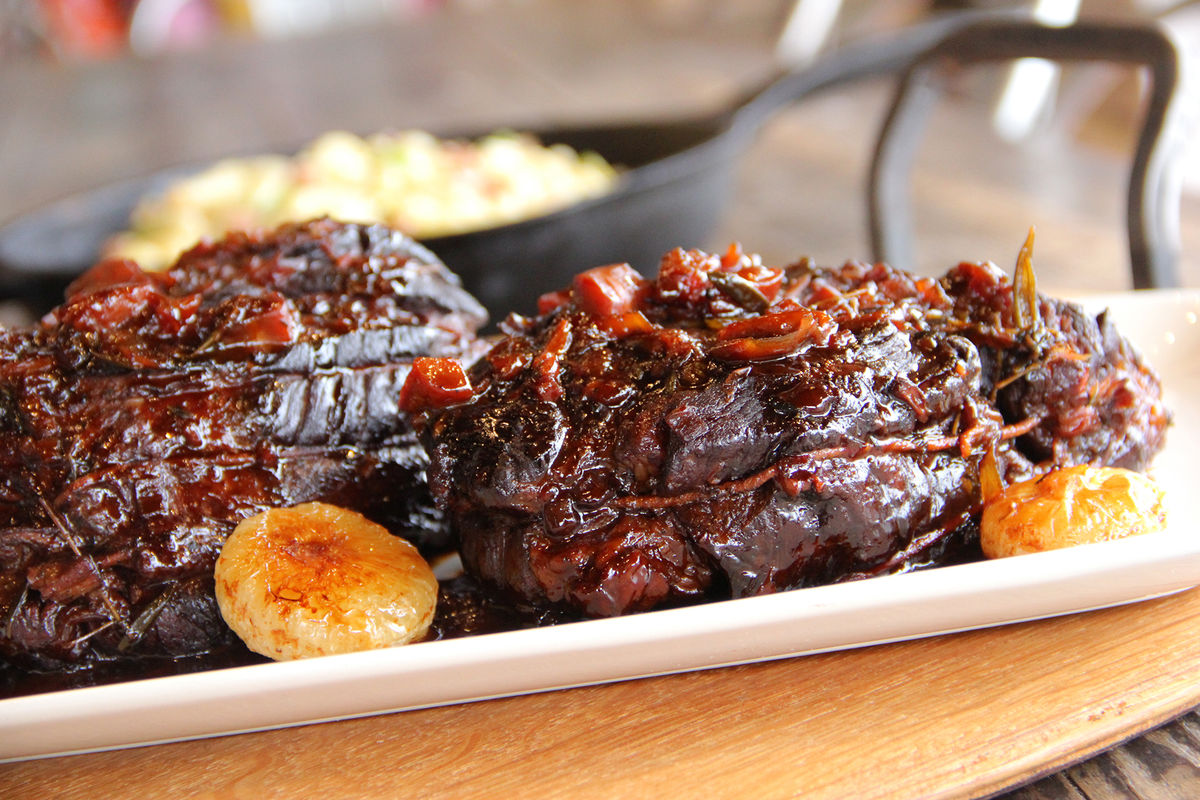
732,429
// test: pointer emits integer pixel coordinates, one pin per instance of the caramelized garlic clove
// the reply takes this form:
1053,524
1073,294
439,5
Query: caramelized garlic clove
317,579
1068,507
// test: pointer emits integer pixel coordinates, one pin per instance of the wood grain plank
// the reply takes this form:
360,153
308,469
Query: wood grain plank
1164,763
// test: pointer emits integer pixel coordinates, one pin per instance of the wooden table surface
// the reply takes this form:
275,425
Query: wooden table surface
1031,706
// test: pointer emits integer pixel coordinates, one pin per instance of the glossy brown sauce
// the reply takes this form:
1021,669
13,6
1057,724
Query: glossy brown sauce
729,429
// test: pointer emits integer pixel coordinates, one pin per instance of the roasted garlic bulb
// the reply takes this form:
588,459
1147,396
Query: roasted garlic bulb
1067,507
317,579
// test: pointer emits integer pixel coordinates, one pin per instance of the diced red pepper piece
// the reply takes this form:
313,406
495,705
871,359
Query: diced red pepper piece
607,392
621,325
507,364
683,274
546,363
552,301
612,289
677,343
821,292
121,307
107,274
130,307
133,324
434,383
278,326
268,322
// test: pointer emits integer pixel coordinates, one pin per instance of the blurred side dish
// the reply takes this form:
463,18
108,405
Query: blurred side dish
412,181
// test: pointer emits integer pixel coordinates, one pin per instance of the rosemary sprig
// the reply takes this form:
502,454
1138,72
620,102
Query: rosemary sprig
105,597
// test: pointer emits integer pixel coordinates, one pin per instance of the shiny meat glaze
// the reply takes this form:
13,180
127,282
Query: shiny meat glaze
147,415
732,429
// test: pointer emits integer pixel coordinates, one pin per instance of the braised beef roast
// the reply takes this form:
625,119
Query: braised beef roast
732,429
728,429
148,414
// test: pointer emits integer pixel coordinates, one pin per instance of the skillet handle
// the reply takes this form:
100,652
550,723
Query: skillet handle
1153,196
881,55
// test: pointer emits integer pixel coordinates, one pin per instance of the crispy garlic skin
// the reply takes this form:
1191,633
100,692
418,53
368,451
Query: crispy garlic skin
1068,507
316,579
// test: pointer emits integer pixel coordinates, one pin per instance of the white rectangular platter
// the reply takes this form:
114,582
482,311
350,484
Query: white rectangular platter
1163,323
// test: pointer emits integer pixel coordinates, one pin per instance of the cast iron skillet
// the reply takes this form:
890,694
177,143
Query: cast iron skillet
678,174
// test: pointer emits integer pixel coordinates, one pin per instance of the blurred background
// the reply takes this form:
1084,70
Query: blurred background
98,90
83,29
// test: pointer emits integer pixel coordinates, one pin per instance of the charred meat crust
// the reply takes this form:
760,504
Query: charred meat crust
148,414
730,429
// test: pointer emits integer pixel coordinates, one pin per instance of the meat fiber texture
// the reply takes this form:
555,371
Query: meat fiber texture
733,429
148,414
